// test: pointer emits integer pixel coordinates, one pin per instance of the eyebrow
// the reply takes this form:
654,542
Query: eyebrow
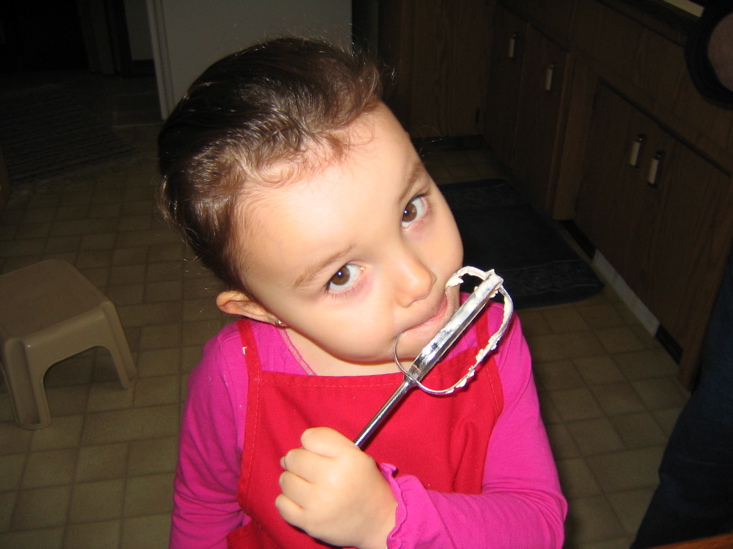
310,273
418,169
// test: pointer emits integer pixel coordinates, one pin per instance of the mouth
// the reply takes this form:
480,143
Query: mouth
437,320
420,334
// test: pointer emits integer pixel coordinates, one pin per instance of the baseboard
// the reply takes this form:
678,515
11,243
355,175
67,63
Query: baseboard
627,295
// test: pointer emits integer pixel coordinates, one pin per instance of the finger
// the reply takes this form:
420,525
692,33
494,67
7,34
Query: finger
303,463
295,488
289,510
325,441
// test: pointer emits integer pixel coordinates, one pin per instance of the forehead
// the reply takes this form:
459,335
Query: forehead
341,145
326,198
375,141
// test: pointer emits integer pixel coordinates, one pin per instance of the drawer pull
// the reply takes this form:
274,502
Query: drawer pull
511,52
549,73
636,150
654,166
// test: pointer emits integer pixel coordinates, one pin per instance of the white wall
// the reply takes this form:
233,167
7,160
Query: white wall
189,35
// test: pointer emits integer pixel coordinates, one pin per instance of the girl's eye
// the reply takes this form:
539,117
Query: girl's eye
414,210
344,278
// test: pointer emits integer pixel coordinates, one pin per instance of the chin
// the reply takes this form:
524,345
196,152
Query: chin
408,351
415,340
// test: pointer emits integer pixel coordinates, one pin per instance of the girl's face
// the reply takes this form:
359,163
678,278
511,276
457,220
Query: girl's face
352,254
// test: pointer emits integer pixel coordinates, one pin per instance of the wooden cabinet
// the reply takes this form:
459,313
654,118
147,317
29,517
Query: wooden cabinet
439,49
505,79
564,91
618,74
524,104
539,126
659,211
554,17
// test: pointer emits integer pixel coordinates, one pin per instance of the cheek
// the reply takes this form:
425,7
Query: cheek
452,243
443,245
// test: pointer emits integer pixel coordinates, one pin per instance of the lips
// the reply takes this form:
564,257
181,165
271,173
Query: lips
438,317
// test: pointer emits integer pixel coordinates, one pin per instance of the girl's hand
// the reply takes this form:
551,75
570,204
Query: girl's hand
335,492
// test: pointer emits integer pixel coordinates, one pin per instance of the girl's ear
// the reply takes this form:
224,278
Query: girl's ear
237,303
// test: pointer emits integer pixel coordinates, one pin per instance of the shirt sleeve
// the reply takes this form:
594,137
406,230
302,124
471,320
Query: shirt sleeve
205,507
521,504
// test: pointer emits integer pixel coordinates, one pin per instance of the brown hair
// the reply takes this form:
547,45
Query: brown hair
266,104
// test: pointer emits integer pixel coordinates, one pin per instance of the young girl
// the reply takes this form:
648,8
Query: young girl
295,184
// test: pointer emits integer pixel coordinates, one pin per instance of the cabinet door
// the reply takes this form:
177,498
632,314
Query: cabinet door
505,74
450,48
615,209
691,242
538,127
554,17
608,200
660,213
438,48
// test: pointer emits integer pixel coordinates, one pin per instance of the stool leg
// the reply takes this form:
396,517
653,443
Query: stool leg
27,393
119,347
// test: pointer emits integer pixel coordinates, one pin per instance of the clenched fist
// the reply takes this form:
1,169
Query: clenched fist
336,492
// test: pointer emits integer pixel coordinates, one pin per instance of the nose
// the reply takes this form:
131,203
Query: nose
413,279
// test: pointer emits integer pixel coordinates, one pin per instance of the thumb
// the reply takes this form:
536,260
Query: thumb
325,441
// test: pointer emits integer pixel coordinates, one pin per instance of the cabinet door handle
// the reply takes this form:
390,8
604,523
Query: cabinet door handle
512,50
549,73
655,165
636,149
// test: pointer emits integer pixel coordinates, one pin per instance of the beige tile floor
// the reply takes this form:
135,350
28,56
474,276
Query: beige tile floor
100,475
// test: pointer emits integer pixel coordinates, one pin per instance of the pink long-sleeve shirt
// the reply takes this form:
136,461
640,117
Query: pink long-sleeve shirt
521,504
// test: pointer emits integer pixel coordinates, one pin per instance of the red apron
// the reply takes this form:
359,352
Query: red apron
441,440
